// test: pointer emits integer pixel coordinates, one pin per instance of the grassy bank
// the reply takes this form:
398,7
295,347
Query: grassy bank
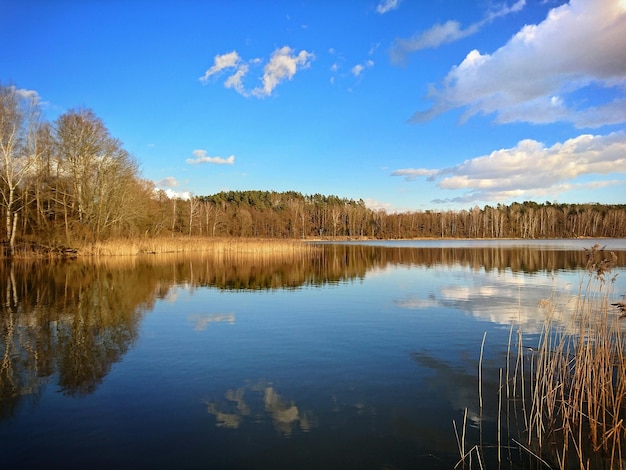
193,244
133,247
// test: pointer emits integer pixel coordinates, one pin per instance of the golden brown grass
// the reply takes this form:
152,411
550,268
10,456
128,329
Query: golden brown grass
182,244
578,386
126,247
567,393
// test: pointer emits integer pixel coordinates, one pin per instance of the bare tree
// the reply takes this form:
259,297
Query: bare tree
194,213
99,174
19,123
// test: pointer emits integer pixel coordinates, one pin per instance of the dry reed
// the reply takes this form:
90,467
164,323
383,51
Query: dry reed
578,396
139,246
130,247
572,394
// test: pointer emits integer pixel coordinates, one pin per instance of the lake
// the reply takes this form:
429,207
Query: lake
363,355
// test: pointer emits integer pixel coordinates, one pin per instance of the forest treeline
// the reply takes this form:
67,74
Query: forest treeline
70,182
291,214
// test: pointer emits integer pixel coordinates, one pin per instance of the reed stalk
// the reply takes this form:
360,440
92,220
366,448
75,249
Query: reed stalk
572,393
578,385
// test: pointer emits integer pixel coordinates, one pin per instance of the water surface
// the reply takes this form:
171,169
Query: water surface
360,357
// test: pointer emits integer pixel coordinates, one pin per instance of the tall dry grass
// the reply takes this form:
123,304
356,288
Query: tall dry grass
139,246
565,395
242,246
578,384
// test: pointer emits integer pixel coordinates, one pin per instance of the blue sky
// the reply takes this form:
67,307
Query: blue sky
406,104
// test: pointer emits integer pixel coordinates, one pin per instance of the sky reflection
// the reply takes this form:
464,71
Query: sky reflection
364,357
503,297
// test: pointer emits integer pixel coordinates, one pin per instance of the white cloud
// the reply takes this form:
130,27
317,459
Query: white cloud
434,37
530,169
202,157
504,10
412,173
386,6
30,95
185,195
235,80
532,78
167,182
283,65
358,68
222,62
378,205
447,32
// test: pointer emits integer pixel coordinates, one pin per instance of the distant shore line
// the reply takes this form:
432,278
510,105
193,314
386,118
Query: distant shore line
186,244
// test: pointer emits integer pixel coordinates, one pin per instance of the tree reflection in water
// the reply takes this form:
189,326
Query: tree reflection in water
67,322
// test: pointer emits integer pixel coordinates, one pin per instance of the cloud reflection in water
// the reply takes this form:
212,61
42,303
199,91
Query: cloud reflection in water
202,321
501,298
258,402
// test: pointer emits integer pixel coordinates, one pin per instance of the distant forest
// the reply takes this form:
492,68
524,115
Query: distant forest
69,182
293,215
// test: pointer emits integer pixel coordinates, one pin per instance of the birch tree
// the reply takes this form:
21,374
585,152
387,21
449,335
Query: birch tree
19,122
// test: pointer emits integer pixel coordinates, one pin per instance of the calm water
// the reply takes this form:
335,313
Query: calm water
361,357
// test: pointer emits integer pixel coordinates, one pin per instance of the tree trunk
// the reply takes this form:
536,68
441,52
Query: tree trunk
12,239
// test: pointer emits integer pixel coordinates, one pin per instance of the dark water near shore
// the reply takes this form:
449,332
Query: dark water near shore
361,356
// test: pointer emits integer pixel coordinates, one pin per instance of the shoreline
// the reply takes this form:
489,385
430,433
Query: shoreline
241,245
